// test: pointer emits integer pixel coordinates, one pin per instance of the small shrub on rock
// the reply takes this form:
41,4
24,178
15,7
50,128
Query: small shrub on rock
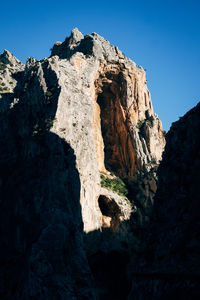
114,184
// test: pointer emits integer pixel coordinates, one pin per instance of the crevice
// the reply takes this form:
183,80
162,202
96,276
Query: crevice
116,156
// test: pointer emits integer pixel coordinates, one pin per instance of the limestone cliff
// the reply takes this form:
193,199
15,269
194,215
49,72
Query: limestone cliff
70,123
125,133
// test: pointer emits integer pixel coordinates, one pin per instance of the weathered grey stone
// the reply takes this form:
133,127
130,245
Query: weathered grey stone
66,120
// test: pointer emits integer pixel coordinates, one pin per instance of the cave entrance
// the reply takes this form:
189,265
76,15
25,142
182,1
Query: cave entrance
110,213
108,206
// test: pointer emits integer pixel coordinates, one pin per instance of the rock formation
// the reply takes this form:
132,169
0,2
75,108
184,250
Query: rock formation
125,132
74,128
170,269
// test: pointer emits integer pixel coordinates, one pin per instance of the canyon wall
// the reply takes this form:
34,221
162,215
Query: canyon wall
169,267
73,126
126,135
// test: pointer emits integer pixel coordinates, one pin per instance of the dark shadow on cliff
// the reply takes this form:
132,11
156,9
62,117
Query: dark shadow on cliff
111,253
41,226
171,268
138,266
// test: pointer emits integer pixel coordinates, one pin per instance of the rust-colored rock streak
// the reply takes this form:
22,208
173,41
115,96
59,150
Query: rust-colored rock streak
121,101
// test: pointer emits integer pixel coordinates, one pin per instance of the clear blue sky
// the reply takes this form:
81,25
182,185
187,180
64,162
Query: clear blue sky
162,36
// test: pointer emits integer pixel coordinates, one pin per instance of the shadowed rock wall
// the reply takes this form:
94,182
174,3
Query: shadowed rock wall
169,269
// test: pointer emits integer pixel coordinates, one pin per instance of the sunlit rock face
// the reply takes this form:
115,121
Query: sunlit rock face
66,120
112,112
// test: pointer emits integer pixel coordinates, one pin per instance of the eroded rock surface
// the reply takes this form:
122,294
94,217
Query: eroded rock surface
65,120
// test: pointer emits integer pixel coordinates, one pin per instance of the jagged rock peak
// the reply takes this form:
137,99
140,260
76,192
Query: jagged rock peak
65,49
90,45
9,65
8,58
76,35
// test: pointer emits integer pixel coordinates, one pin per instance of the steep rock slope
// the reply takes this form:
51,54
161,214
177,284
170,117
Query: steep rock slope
126,134
41,225
65,120
172,266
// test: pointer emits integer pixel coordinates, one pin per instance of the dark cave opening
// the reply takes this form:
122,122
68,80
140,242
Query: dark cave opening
108,206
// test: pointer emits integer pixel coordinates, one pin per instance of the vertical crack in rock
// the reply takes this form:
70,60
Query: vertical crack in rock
118,152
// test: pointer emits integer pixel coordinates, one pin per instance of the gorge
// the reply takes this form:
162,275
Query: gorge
86,210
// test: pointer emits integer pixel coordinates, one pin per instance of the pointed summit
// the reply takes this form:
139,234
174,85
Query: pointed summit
76,35
8,58
66,49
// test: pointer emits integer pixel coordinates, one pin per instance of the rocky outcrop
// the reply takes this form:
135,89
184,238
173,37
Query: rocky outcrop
172,256
128,136
10,68
65,120
120,98
41,225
